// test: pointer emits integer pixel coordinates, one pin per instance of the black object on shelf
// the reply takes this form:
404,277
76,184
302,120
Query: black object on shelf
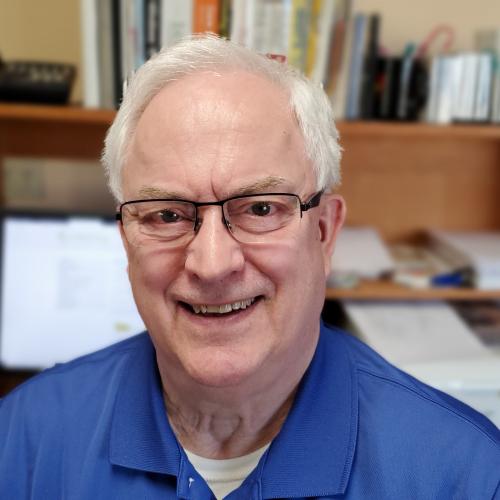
36,82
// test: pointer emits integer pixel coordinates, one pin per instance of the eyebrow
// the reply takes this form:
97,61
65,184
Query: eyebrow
259,186
151,193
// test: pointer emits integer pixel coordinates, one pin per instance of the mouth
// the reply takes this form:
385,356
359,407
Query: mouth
220,310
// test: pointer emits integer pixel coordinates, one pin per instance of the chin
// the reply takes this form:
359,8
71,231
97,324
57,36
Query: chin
219,370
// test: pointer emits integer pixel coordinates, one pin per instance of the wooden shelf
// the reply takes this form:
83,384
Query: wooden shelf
386,290
59,114
416,130
77,114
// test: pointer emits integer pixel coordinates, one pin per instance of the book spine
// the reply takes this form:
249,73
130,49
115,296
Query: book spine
152,27
269,28
299,33
176,20
116,42
90,55
206,16
106,55
336,57
369,73
225,18
356,67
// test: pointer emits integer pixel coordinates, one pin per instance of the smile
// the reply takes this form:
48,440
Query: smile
222,308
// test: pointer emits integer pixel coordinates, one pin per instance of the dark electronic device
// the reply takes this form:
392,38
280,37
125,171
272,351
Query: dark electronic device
36,82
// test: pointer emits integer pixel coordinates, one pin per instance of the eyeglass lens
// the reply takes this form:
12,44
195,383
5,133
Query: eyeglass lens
249,218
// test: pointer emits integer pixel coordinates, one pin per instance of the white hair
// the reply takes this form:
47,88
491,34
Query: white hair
200,53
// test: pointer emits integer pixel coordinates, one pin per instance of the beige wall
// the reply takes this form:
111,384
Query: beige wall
50,29
41,30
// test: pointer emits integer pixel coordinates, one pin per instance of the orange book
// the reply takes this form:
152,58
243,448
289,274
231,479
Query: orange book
206,16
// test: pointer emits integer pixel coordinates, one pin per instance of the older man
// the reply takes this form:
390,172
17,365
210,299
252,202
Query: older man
222,162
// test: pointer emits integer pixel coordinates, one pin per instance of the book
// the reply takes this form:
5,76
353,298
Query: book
205,16
300,22
355,82
268,26
90,53
152,39
314,35
445,88
107,98
225,14
369,69
464,105
336,53
239,21
116,9
488,41
337,85
176,20
478,251
482,101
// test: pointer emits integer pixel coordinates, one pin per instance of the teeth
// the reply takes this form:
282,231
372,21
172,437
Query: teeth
223,309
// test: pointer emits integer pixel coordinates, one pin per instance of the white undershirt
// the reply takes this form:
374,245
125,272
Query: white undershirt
224,476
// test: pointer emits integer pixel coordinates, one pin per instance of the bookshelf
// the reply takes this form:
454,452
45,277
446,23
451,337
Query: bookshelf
401,178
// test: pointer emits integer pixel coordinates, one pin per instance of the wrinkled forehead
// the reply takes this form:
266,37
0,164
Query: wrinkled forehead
217,100
225,123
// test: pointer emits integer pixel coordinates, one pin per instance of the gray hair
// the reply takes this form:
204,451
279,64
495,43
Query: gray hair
199,53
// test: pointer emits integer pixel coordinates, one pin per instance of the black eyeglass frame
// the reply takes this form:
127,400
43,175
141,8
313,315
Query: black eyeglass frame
312,202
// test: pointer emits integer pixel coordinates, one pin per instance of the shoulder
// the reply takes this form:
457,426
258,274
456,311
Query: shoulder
407,429
70,384
392,393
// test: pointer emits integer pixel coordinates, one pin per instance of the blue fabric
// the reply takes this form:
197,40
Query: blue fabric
95,428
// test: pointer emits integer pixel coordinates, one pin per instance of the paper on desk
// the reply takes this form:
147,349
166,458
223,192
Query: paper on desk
360,251
414,332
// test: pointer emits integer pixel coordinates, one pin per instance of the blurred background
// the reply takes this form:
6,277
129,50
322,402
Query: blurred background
415,88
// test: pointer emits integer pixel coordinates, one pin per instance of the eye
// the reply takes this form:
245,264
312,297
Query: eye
261,209
169,216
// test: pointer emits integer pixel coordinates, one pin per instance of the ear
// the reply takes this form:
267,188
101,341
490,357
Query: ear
332,216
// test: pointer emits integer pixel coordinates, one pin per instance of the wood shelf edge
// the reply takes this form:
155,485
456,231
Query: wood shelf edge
382,290
61,114
417,129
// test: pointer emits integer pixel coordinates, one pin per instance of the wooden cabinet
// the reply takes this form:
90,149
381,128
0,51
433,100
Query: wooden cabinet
401,178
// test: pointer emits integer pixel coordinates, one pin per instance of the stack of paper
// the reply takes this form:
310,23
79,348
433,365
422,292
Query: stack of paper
359,253
431,342
478,250
413,332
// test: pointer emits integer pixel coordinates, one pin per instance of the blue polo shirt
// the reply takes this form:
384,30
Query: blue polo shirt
96,428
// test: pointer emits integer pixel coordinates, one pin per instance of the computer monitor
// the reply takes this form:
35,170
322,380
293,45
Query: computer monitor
64,289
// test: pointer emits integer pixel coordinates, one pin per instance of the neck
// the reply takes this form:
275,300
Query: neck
212,431
227,422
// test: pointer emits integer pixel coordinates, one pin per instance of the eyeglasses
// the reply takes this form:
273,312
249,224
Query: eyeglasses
249,218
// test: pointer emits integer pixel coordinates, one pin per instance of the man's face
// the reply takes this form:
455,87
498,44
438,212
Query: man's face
205,138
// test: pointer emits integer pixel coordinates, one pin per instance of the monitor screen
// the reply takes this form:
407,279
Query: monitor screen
64,289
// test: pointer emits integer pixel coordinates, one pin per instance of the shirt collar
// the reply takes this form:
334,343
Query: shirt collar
141,437
311,456
313,453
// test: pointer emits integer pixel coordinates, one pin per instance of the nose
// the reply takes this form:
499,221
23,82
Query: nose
213,254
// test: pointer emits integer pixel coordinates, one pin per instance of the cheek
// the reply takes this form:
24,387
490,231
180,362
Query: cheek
294,265
152,270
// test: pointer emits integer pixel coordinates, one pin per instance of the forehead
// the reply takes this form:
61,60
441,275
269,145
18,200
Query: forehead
224,128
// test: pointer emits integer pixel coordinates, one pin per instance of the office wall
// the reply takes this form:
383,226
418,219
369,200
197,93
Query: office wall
50,29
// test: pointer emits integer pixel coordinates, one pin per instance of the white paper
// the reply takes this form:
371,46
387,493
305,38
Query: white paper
414,332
